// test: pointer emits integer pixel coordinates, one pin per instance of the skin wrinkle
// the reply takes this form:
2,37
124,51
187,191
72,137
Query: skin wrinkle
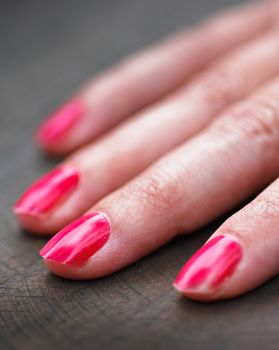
267,206
203,169
111,155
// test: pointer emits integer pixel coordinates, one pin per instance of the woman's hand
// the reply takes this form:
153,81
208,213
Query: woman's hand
207,139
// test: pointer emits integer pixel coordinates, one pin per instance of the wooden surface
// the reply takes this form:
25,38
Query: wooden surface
47,49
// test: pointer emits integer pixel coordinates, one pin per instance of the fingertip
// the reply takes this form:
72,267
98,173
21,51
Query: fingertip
60,123
202,296
30,223
205,275
64,271
53,150
69,253
35,208
33,223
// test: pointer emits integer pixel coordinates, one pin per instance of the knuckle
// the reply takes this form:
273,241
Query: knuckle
257,120
159,191
215,87
267,205
262,120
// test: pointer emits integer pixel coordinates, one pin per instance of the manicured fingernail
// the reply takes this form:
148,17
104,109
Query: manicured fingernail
77,242
209,266
60,122
48,191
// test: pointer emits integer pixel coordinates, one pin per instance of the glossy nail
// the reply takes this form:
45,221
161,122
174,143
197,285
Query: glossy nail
77,242
60,122
209,266
47,192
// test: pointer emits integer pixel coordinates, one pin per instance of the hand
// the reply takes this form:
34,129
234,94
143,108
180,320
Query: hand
175,136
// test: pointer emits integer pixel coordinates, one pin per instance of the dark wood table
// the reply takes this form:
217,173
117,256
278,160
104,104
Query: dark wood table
47,49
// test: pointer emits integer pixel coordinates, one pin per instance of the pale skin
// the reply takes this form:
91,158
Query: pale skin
174,137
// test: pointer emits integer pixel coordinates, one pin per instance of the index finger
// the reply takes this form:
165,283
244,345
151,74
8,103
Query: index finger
148,76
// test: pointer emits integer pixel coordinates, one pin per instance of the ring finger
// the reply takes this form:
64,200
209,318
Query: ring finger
86,176
148,76
181,192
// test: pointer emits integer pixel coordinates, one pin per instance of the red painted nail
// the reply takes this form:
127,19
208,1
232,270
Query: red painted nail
77,242
209,266
60,122
48,191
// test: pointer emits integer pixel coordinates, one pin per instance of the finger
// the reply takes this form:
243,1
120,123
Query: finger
240,256
146,77
187,188
175,120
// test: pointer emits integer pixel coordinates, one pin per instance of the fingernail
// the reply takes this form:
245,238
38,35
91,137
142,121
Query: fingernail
209,266
48,191
60,122
77,242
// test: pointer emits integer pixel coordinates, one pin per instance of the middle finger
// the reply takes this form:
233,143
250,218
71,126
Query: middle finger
102,167
235,156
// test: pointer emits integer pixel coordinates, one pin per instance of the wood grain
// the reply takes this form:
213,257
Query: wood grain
47,49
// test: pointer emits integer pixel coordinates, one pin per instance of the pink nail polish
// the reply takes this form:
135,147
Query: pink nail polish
209,266
60,122
77,242
48,191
